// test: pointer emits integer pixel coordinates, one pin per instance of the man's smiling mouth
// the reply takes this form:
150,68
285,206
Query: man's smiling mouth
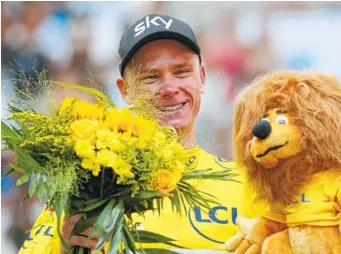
271,149
170,108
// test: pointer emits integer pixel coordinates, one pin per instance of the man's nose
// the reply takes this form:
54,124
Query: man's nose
262,129
169,86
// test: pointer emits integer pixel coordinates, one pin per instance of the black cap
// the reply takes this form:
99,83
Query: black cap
154,27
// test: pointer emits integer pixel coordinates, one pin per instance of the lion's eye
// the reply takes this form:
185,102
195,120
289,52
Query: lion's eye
282,119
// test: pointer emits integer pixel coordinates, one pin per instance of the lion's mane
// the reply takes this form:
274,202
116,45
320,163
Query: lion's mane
314,100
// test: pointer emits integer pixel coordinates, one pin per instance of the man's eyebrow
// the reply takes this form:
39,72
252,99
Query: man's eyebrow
147,71
281,111
180,65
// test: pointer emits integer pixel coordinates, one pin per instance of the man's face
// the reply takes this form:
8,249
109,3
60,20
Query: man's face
171,74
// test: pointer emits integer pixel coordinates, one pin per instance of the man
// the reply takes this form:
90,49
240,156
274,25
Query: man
160,56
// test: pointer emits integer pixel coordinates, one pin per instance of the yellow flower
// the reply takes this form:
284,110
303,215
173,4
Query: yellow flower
184,155
66,103
107,139
167,154
85,110
112,118
179,166
127,138
123,122
159,138
177,148
122,168
171,151
165,180
141,144
84,129
95,111
92,165
105,157
142,128
80,109
84,149
120,122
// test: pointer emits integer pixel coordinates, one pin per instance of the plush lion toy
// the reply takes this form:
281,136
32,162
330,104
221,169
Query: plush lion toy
287,135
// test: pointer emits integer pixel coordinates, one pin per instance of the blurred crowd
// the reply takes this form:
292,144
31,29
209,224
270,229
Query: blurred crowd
76,41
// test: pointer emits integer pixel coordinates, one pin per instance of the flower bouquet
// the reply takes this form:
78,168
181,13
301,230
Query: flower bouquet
106,163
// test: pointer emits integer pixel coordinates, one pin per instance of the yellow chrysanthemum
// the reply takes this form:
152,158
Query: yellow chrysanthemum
122,168
143,128
125,119
179,166
106,157
159,138
177,148
92,165
112,119
165,180
121,122
107,139
66,103
184,154
141,144
171,151
84,129
85,110
167,155
84,149
95,111
80,109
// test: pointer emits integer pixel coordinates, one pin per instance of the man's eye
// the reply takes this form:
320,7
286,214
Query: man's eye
182,72
150,77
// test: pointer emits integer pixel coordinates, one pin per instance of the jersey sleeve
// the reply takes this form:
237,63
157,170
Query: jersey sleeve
43,237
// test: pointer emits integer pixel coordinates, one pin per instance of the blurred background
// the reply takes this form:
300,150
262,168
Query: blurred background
78,40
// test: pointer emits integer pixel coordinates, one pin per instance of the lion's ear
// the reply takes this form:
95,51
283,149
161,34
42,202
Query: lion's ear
304,89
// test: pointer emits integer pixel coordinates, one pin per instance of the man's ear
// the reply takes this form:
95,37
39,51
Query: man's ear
122,87
202,78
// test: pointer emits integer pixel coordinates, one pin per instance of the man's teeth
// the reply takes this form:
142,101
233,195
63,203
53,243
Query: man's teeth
170,108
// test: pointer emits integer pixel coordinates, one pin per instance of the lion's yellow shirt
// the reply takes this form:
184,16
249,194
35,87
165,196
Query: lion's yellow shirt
319,203
197,230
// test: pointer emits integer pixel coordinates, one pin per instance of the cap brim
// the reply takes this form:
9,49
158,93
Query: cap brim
159,35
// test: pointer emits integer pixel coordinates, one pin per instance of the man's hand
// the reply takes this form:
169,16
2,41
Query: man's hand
252,234
81,239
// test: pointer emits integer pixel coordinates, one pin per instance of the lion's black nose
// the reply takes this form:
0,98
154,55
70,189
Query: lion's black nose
262,129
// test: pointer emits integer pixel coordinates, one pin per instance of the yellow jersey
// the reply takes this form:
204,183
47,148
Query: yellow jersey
319,203
195,229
